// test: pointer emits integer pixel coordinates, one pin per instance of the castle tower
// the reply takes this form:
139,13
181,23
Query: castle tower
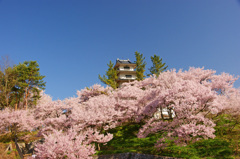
126,70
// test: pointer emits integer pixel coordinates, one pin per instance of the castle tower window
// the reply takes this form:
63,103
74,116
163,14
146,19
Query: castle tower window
126,68
128,76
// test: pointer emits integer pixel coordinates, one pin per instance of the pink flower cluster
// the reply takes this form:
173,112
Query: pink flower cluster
71,127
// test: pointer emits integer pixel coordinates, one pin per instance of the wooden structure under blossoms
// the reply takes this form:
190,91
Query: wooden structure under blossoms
126,71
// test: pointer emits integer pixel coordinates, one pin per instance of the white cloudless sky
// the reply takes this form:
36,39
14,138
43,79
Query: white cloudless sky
73,40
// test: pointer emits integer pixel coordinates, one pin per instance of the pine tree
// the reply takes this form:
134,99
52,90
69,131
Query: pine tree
158,66
140,66
111,76
30,82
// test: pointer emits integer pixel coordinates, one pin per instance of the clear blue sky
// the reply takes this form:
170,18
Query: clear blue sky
73,40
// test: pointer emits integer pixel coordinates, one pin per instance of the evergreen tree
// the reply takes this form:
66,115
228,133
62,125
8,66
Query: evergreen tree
8,80
111,76
30,82
140,66
158,66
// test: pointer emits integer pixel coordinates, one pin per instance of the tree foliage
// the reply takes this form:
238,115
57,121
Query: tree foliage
192,100
20,84
65,145
111,77
140,66
17,121
158,66
30,82
8,81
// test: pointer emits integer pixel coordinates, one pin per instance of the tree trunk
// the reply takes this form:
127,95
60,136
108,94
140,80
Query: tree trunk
26,99
16,106
98,147
7,100
161,112
5,90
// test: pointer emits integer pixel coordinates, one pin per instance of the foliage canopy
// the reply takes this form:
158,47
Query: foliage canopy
157,67
20,85
101,115
111,76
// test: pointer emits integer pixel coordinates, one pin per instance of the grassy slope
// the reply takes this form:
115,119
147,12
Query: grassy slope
125,140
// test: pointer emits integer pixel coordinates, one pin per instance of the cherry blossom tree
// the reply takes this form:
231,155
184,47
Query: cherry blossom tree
80,116
187,96
65,145
192,95
17,121
185,100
